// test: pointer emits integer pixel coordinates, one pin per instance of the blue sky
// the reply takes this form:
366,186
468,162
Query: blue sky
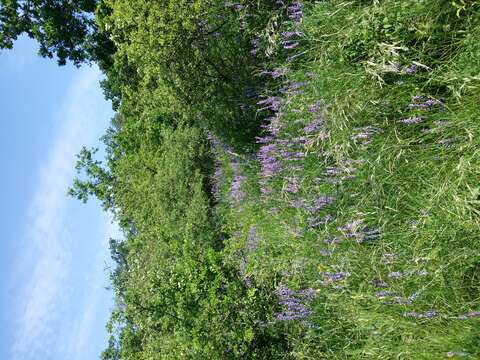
53,249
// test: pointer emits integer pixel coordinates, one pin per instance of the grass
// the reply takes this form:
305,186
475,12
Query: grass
416,185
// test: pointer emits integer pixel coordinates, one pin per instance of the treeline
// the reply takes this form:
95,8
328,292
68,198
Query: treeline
180,69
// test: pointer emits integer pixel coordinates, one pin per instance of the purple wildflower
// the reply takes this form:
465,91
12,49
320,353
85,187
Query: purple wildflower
236,6
292,185
320,203
356,229
273,126
425,315
216,182
289,34
252,239
425,103
365,133
469,315
273,103
331,277
314,125
411,120
409,70
322,221
266,155
332,171
293,87
396,274
298,203
315,108
275,73
235,191
295,11
263,140
288,45
332,240
379,283
295,303
292,155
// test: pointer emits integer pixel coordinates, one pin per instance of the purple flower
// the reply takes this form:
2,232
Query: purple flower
292,185
295,303
379,283
288,45
272,103
295,11
469,315
411,120
275,73
333,240
396,274
332,171
425,315
298,203
273,125
266,155
322,221
426,103
412,69
331,277
289,34
263,140
314,125
320,203
292,155
365,133
315,108
252,239
293,87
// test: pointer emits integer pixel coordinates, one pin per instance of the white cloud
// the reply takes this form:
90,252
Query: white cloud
45,267
81,334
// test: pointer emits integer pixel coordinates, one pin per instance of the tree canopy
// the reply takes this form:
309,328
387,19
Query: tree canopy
64,29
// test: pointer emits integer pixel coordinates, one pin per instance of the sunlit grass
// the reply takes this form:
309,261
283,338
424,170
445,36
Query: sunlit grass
413,183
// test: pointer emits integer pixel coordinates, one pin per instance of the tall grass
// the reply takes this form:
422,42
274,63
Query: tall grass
398,86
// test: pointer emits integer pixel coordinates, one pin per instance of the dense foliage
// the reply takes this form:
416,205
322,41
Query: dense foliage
293,180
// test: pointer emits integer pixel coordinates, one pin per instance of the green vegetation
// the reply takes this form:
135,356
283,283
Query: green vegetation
294,181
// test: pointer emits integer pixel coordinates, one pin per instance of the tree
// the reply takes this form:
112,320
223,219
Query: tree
63,28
